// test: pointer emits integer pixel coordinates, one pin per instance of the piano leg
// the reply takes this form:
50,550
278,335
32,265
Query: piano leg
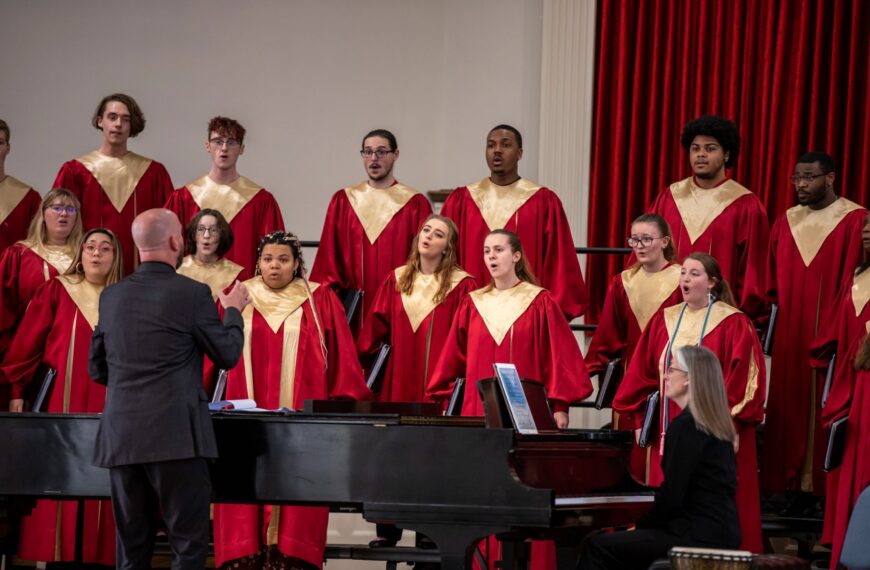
455,542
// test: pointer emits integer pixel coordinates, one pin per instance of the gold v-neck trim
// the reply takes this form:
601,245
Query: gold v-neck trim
861,291
275,305
218,275
500,309
810,228
229,199
699,207
375,207
498,203
421,301
647,291
117,176
12,192
85,295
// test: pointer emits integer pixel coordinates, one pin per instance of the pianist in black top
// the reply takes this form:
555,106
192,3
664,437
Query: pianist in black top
695,505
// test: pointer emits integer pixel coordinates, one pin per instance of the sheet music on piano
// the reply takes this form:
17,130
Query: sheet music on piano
515,397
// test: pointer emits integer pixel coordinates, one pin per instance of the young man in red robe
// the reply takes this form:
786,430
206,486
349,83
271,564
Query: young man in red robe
249,208
504,200
814,248
369,226
18,201
711,213
114,184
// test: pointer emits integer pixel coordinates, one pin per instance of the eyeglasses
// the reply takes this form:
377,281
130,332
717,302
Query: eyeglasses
646,241
380,153
104,249
202,230
797,178
219,142
58,209
672,370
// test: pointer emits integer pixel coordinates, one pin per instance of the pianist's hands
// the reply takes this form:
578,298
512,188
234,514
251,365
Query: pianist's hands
561,419
237,298
16,405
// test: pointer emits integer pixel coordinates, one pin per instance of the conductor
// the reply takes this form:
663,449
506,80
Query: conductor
155,433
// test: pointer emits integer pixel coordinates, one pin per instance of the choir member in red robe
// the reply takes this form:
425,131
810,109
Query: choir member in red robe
113,183
369,226
706,318
297,347
814,248
250,209
56,332
712,213
533,212
19,203
25,266
850,397
512,320
633,297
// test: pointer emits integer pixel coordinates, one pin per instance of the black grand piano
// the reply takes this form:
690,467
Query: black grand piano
451,478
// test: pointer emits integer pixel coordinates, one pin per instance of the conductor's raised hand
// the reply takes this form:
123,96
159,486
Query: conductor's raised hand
237,298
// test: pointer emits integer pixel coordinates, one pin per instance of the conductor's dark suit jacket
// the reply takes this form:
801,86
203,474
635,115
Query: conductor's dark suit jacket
154,328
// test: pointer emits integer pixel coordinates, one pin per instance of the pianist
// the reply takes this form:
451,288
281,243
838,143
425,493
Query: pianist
695,505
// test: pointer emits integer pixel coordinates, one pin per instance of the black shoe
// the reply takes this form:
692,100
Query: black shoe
381,542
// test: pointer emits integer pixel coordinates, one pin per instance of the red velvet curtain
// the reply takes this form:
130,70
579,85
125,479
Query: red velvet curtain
793,75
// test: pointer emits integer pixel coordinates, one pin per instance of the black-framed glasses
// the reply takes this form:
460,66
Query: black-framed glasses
380,153
220,141
646,241
59,209
202,230
808,178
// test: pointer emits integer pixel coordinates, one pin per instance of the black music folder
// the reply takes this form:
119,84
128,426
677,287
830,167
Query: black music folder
379,368
836,443
771,328
829,379
608,383
650,420
454,407
44,389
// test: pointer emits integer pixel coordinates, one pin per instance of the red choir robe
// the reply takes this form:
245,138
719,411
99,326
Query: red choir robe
416,329
812,256
251,211
535,214
523,326
842,335
219,276
731,335
113,191
367,233
18,204
291,354
728,222
633,297
56,332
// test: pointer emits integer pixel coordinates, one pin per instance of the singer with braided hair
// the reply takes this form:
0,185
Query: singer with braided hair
297,347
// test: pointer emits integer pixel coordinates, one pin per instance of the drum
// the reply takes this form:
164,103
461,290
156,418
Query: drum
685,558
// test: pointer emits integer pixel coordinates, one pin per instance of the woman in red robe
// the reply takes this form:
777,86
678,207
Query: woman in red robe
706,318
512,320
27,265
56,333
413,311
633,297
297,347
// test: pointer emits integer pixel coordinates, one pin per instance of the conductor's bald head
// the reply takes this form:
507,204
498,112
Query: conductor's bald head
157,235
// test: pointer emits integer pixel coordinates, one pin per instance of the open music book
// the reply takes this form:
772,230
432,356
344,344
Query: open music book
238,406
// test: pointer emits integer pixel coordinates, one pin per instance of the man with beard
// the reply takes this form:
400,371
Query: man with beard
711,213
814,248
505,200
369,227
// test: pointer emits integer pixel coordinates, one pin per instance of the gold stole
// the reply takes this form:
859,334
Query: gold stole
420,302
861,291
117,176
375,207
277,307
58,256
699,208
218,275
500,309
810,228
228,199
647,291
498,203
12,191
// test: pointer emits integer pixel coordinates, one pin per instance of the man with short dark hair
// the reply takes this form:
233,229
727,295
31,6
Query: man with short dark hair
505,200
369,226
711,213
18,201
114,184
155,432
250,209
814,248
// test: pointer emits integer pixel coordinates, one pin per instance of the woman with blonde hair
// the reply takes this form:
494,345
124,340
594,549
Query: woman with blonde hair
695,504
56,333
297,347
705,318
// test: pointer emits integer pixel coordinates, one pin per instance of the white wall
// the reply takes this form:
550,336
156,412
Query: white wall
306,78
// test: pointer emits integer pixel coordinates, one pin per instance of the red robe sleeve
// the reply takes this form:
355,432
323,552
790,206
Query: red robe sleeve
14,227
559,268
344,374
27,349
452,362
611,336
377,325
328,268
744,371
642,375
754,234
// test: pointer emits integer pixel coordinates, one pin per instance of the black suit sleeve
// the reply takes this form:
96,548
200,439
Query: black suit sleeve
222,342
97,368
